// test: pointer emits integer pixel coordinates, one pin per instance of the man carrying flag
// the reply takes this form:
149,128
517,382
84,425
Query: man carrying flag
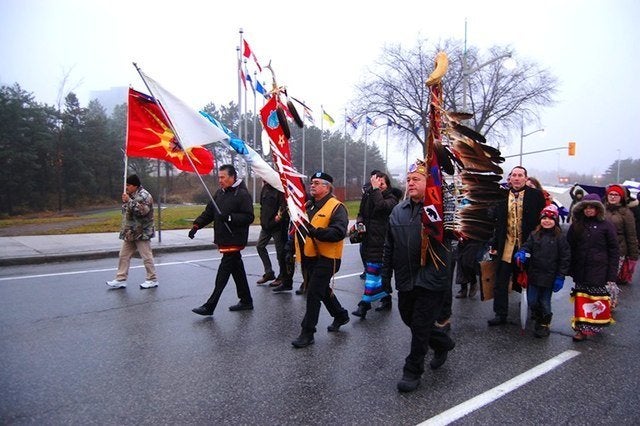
136,233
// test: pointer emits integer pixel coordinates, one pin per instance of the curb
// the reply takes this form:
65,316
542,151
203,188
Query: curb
92,255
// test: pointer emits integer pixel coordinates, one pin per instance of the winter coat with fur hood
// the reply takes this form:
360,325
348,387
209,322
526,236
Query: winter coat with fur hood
594,246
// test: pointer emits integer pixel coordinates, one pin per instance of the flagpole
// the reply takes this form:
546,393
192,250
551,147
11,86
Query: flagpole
322,139
255,116
126,140
303,147
366,135
175,134
386,150
160,205
238,72
344,170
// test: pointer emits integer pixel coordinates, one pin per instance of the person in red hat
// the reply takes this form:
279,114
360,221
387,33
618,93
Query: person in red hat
546,254
619,214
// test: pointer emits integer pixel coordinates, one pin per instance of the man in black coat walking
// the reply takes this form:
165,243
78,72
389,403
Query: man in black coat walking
231,231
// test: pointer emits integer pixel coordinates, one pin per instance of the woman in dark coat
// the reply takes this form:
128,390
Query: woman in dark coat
375,211
617,212
594,265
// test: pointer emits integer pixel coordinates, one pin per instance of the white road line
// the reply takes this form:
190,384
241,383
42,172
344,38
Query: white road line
89,271
499,391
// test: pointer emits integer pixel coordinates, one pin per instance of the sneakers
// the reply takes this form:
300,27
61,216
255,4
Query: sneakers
337,323
123,284
117,284
149,284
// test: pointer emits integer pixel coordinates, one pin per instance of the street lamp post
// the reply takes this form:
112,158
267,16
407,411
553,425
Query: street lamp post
524,135
466,72
618,174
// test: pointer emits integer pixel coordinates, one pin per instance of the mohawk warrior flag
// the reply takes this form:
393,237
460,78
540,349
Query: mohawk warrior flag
150,136
291,179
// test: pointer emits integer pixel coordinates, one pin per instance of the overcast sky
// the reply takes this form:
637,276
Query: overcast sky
320,50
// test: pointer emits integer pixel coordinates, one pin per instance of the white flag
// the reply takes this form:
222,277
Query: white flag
191,128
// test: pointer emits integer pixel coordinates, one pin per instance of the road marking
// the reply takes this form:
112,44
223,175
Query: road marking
89,271
499,391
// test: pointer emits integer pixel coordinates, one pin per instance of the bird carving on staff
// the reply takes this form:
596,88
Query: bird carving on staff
459,151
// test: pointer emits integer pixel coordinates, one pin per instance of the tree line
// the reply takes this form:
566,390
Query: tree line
55,159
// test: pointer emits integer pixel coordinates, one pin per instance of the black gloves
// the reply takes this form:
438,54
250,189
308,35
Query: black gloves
193,231
312,231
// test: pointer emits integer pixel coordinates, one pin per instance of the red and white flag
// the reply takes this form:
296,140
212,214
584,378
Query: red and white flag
150,136
248,53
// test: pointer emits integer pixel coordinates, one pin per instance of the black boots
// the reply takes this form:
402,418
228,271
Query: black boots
385,304
361,312
303,340
542,326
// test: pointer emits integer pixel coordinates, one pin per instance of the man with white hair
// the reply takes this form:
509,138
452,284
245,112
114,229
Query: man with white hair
327,229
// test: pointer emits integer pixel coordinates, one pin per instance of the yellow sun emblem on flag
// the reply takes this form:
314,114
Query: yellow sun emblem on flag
168,140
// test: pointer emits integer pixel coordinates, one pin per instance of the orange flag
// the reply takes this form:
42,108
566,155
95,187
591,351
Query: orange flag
149,136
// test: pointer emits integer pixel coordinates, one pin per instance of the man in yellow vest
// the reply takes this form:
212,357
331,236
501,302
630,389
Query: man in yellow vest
329,220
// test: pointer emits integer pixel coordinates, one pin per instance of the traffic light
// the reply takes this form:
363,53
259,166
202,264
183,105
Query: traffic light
572,148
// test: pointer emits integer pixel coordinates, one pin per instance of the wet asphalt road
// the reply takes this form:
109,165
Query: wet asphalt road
73,351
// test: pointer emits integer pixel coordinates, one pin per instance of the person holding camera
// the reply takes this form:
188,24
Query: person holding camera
375,209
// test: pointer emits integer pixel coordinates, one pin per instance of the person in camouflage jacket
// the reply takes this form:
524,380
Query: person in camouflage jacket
136,233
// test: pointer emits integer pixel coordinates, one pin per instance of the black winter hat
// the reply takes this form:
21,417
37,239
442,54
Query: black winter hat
133,180
323,176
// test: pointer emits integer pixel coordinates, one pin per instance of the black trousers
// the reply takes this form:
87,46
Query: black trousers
504,274
319,272
230,265
419,309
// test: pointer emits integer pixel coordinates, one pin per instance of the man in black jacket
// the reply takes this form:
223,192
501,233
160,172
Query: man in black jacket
231,231
272,226
516,217
421,289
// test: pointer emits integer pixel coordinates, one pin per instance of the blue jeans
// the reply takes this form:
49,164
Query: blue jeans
539,299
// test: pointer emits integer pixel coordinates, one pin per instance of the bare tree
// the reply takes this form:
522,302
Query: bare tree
498,97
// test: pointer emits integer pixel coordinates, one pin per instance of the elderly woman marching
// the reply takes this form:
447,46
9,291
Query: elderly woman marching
594,264
617,212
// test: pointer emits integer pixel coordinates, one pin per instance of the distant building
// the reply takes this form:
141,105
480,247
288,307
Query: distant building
109,98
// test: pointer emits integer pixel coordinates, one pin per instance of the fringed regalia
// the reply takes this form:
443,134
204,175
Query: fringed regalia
592,308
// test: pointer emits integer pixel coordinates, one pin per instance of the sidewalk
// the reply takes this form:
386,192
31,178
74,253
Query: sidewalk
58,248
28,250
